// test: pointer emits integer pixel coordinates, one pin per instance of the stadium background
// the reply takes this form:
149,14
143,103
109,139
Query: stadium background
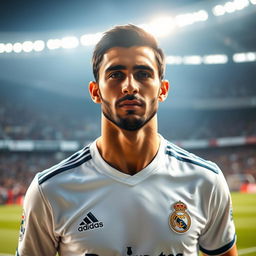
45,109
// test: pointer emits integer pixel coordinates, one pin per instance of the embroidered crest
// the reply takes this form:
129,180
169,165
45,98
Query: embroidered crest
22,227
180,220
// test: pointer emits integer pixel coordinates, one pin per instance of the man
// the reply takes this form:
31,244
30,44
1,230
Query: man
130,192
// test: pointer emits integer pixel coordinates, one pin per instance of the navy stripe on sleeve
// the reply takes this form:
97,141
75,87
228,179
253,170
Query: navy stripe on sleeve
220,250
64,168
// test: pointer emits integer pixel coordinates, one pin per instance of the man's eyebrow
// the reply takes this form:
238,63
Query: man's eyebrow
143,67
116,67
122,67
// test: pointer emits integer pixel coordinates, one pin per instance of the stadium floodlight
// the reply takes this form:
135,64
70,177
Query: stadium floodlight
229,7
251,56
173,60
192,60
27,46
218,10
90,39
239,57
215,59
2,48
240,4
244,57
39,45
8,47
53,44
201,15
184,19
69,42
17,47
190,18
160,27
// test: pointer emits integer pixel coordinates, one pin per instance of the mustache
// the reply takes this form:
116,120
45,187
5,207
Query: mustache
128,97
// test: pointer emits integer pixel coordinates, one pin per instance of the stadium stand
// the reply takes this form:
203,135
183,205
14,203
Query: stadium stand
17,171
232,81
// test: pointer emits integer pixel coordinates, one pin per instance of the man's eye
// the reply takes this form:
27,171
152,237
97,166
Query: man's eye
116,75
143,75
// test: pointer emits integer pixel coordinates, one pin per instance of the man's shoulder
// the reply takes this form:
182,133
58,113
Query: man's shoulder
185,157
74,161
60,183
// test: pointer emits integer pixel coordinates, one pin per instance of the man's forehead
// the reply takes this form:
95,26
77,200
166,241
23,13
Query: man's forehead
132,56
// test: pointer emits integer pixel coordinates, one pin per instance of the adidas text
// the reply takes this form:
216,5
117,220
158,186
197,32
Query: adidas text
90,226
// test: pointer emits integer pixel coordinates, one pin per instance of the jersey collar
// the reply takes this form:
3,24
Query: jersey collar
103,167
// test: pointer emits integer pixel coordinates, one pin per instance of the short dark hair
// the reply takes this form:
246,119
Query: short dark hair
126,36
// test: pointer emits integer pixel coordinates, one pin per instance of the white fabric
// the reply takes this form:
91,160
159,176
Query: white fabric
132,212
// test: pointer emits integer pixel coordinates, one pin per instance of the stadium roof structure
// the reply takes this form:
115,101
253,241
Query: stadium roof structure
49,44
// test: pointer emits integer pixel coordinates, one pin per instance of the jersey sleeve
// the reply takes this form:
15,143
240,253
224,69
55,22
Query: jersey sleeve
219,234
37,236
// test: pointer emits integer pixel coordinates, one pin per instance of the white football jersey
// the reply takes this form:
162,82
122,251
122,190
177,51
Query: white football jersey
175,206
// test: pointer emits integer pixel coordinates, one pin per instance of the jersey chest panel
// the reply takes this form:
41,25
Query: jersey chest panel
120,219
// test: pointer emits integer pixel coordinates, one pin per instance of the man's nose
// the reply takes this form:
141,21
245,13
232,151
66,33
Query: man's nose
130,85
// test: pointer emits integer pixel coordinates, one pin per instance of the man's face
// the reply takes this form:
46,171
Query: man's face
129,86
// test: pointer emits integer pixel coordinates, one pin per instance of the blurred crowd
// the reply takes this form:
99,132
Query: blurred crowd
232,160
19,122
17,171
194,125
233,81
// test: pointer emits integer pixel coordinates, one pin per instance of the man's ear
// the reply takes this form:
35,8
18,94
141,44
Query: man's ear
163,93
94,92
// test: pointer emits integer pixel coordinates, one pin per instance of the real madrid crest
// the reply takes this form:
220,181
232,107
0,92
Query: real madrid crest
179,220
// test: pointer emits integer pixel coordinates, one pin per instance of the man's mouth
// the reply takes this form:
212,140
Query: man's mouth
130,103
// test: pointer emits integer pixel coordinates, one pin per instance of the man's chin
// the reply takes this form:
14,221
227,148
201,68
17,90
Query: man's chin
131,125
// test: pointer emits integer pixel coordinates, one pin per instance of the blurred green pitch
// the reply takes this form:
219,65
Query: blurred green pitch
244,215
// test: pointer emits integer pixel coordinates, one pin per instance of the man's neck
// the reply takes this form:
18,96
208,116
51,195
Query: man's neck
129,151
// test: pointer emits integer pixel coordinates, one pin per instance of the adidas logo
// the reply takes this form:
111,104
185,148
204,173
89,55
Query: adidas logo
89,222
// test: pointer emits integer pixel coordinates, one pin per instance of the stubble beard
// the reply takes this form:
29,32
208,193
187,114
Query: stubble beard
126,123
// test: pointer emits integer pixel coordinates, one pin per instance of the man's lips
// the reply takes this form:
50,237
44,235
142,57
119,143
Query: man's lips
130,103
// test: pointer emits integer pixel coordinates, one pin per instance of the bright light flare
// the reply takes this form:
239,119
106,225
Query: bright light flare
161,27
39,45
201,15
17,47
229,7
27,46
240,4
244,57
173,60
215,59
69,42
218,10
2,48
192,60
190,18
8,47
184,19
53,44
